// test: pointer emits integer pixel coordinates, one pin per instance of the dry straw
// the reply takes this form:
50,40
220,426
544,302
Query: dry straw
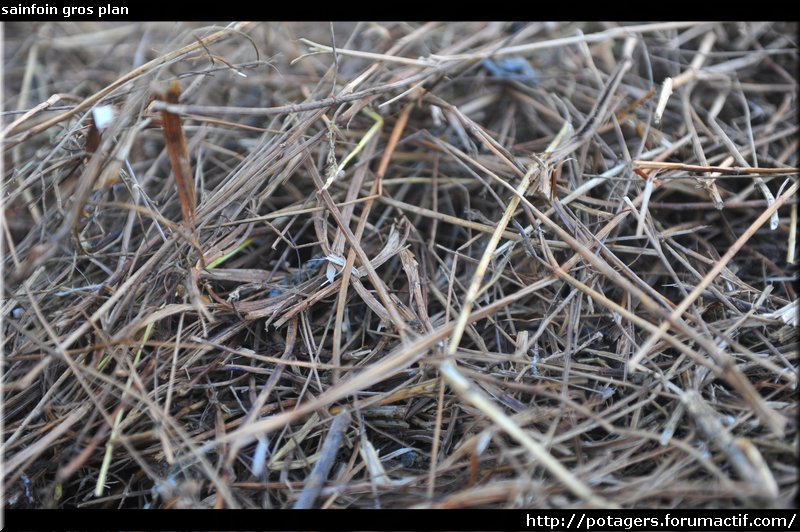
439,265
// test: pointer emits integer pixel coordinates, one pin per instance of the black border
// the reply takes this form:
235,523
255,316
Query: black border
174,10
355,520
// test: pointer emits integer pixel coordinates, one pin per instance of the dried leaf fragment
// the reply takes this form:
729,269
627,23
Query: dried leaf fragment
179,156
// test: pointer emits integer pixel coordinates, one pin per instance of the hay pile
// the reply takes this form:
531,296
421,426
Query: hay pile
436,265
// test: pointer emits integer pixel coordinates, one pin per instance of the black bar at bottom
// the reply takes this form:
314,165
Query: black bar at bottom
356,520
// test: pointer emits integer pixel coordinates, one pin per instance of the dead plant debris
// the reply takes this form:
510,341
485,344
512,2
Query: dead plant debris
438,265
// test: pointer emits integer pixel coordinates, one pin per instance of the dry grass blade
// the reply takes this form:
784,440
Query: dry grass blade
776,423
179,156
471,394
650,165
743,456
143,69
319,474
540,277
